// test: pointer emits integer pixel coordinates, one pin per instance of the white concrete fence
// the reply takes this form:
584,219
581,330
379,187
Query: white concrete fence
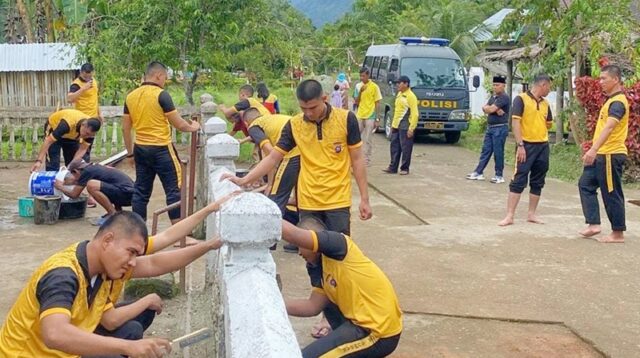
242,272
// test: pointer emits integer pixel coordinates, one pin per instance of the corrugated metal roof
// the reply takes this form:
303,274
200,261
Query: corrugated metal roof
485,31
38,57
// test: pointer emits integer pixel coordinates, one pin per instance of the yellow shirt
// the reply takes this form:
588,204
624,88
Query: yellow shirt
368,99
324,182
251,103
72,117
357,285
406,109
533,116
21,337
88,101
271,125
615,144
148,106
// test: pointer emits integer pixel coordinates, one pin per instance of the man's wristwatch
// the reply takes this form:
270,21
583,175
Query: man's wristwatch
130,155
521,144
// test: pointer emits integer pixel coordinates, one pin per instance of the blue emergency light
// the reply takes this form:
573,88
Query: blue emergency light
425,40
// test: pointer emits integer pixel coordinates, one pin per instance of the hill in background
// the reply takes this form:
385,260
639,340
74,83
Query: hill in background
323,11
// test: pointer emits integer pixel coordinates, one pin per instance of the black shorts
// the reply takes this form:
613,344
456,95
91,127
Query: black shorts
338,220
118,196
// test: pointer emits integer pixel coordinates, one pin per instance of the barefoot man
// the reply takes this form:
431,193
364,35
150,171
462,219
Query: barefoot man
604,162
531,118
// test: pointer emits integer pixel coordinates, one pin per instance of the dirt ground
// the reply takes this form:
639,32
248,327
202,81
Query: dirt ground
468,287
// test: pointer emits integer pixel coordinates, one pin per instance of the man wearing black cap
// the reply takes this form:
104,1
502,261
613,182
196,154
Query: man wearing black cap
111,188
405,120
497,110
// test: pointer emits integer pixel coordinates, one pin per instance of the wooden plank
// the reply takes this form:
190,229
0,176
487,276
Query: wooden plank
12,141
1,128
35,148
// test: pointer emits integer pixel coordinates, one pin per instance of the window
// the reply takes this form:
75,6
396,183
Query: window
373,70
382,71
434,72
368,61
393,70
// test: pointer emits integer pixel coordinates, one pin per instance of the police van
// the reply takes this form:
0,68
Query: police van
438,79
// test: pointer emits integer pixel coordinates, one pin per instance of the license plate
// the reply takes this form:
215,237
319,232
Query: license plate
434,125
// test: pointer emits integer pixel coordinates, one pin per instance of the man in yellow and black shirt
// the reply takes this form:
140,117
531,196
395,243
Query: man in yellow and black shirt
68,130
604,162
531,120
75,291
149,110
405,121
245,101
83,94
356,297
329,142
369,98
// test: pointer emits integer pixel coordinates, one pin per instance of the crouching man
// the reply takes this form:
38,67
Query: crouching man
110,187
67,308
356,297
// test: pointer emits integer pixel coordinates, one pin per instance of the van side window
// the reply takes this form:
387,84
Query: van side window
382,71
374,68
368,61
393,69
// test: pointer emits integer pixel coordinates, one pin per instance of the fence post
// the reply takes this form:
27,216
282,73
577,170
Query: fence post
34,140
23,151
1,134
207,110
114,136
12,140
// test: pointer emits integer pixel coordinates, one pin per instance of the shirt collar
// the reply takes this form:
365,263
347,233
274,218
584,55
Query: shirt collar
150,84
534,97
615,94
81,255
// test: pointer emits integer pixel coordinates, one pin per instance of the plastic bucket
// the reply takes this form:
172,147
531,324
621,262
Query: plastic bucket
41,183
46,209
25,206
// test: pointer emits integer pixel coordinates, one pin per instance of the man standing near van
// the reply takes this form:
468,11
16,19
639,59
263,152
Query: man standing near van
405,121
497,110
531,120
368,105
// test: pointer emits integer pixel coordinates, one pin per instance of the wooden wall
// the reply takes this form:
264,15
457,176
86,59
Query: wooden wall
35,88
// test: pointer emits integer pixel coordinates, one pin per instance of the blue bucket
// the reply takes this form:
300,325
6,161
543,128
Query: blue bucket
25,206
42,183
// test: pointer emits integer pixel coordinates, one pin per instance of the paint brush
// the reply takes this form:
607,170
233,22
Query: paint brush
192,338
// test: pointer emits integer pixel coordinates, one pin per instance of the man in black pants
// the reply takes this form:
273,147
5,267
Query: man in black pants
403,126
531,120
150,111
111,188
356,297
497,110
604,162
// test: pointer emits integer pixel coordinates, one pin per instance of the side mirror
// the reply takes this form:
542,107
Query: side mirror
476,81
391,77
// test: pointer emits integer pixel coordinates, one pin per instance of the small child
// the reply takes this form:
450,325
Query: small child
336,97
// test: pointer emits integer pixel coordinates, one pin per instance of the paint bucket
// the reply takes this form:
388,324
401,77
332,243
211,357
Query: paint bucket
73,208
42,183
241,173
25,206
46,209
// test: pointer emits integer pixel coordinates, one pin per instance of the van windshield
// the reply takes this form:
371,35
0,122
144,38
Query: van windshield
433,72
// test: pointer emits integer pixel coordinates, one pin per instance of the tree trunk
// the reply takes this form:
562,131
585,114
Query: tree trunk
41,21
559,107
51,36
26,21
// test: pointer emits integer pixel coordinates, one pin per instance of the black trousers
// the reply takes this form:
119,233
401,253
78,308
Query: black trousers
533,170
604,174
150,161
69,148
338,220
349,340
285,181
401,148
132,330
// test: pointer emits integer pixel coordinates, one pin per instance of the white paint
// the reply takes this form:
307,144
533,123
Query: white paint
213,125
255,318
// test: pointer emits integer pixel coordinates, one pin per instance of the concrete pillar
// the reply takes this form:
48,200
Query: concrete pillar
207,110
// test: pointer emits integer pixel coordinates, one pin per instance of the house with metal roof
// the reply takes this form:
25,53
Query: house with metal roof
36,75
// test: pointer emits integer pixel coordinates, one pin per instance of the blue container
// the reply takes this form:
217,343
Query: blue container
25,206
42,183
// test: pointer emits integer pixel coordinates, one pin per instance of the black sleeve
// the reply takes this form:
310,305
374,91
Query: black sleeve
549,115
353,130
126,109
286,142
85,176
617,110
74,88
315,274
242,105
257,134
166,102
57,289
517,109
61,129
332,244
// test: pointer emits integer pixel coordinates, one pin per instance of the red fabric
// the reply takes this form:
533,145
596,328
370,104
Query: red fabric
270,106
241,126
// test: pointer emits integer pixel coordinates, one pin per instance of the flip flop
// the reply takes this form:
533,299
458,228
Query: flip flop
322,332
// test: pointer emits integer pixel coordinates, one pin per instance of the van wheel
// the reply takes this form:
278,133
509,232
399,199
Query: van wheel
452,137
387,125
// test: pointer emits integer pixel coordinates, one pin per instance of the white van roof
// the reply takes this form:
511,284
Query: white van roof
419,50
